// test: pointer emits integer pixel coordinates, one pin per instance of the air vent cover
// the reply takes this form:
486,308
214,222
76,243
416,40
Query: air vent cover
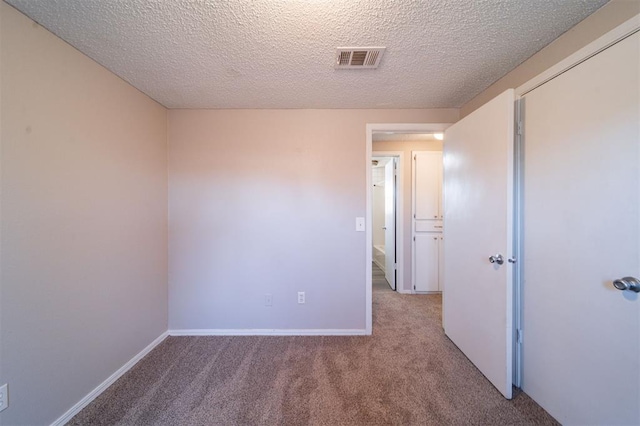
358,57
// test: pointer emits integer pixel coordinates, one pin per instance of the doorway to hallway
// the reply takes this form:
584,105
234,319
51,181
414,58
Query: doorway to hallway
377,133
384,217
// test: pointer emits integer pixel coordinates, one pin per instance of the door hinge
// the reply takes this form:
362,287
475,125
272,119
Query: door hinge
395,266
519,336
414,286
414,238
519,127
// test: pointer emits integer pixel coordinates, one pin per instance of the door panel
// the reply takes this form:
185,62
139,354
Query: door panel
427,184
390,223
426,262
581,231
478,205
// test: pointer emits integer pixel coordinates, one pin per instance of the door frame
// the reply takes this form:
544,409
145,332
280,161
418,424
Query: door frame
372,128
397,211
607,40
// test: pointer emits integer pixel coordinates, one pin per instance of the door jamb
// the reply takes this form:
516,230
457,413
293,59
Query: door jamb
370,129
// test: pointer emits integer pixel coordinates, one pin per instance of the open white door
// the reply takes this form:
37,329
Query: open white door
390,223
478,206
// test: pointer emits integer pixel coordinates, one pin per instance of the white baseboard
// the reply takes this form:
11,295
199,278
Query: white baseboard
268,332
104,385
402,291
380,265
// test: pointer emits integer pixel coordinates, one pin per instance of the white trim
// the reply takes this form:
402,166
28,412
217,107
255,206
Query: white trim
518,240
368,281
607,40
399,212
510,178
380,265
403,291
267,332
110,380
370,129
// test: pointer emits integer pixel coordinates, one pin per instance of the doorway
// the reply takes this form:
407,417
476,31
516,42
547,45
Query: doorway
384,220
377,132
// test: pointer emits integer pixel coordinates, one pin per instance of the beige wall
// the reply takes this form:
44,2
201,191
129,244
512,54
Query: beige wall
594,26
260,202
84,222
265,201
406,147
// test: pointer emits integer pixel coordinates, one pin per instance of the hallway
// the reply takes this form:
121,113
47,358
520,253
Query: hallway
378,281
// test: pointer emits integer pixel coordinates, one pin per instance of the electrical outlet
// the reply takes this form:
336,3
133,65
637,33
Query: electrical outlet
4,397
268,300
301,297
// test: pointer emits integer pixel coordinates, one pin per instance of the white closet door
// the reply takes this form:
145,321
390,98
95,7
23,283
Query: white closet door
427,223
478,205
427,184
426,268
581,232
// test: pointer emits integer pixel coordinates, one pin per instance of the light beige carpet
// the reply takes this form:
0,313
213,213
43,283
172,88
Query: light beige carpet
407,373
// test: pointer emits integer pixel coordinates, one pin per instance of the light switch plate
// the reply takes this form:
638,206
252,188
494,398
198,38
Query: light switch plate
360,224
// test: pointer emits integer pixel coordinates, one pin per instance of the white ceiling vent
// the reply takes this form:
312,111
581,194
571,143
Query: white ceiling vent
358,57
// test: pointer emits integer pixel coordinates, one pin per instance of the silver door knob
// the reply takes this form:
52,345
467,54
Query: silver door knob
497,259
627,283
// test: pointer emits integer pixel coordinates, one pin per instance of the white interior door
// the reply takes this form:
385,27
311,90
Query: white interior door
390,223
581,346
478,205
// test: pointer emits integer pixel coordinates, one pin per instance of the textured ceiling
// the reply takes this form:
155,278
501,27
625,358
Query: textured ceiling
280,53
